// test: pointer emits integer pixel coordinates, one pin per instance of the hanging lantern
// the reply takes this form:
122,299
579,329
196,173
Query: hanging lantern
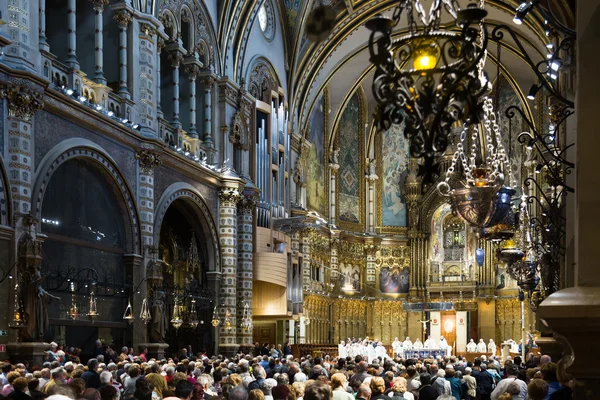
480,257
145,313
18,319
128,315
176,321
227,321
73,309
193,317
246,324
479,198
215,318
93,308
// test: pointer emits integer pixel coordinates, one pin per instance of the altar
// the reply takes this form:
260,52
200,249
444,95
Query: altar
425,353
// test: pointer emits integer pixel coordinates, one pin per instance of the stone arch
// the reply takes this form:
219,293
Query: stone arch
5,199
170,21
261,76
95,154
188,193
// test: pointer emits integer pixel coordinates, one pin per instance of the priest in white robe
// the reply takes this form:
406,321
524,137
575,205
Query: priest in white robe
370,353
481,347
491,347
444,345
428,343
407,344
472,346
342,352
397,347
418,345
381,351
514,346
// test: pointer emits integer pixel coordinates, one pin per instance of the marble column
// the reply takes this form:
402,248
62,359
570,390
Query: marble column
228,227
160,45
72,34
306,270
99,41
334,168
371,180
22,103
147,161
208,87
43,44
246,211
123,18
192,71
175,57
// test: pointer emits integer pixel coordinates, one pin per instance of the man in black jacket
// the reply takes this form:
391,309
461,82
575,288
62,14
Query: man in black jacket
485,383
91,376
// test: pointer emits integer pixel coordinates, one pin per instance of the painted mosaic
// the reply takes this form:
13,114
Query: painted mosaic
349,173
395,164
315,164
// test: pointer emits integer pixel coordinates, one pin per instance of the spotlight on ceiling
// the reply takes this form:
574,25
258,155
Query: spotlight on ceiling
533,91
522,11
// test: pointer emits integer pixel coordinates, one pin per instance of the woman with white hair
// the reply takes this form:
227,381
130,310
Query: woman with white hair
399,390
267,387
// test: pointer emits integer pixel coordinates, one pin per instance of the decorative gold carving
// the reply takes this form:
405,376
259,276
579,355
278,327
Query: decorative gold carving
23,102
99,4
148,160
146,29
299,169
247,204
175,58
123,18
193,71
394,256
228,197
261,82
160,44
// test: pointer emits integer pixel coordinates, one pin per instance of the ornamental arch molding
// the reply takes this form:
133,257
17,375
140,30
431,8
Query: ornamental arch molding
261,78
190,194
5,199
86,150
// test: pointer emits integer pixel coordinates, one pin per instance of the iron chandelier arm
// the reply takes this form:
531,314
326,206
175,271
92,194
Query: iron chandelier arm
497,35
550,202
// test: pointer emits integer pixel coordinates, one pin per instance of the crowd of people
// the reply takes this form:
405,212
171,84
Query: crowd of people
279,376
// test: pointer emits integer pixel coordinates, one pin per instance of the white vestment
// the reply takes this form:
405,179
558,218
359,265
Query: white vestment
481,348
491,348
471,347
371,353
380,351
407,345
418,345
397,347
342,353
428,344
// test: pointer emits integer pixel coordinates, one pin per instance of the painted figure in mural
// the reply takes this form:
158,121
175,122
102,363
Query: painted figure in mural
35,305
159,318
356,280
404,280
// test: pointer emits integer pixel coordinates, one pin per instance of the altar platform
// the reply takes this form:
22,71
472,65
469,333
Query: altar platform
425,353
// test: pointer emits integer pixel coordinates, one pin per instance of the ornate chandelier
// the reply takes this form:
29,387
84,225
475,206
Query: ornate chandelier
431,77
477,175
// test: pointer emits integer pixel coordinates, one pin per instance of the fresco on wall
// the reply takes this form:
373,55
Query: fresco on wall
510,128
315,163
395,163
394,279
349,275
350,174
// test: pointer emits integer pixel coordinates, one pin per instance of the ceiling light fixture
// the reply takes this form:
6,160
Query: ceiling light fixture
446,83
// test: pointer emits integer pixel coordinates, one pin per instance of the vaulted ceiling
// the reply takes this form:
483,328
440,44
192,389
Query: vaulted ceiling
341,62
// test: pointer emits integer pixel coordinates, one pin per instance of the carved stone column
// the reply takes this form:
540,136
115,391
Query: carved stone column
334,168
306,260
371,262
228,227
334,262
246,211
134,267
160,45
147,161
371,180
176,57
23,103
42,39
72,35
99,40
192,70
123,18
208,83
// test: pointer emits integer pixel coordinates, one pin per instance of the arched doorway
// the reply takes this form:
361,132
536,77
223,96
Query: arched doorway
184,250
84,218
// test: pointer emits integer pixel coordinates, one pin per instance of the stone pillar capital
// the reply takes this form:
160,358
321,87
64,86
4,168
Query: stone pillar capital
247,204
99,4
23,102
208,82
228,197
175,58
148,160
193,71
123,18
